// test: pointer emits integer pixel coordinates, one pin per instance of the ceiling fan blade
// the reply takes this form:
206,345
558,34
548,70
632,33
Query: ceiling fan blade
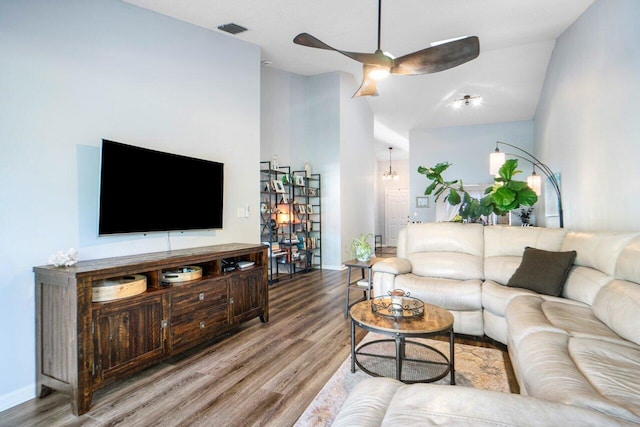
378,58
368,86
437,58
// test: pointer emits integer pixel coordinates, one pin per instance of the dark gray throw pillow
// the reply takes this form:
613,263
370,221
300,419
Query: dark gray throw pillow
543,271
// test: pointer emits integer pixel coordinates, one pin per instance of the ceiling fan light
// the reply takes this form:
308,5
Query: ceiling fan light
379,73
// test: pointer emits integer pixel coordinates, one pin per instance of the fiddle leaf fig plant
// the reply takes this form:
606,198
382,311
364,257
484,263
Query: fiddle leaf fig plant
505,195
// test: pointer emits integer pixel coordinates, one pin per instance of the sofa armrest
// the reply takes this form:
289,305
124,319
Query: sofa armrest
392,266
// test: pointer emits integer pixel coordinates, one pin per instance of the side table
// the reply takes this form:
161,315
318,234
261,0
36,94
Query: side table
360,284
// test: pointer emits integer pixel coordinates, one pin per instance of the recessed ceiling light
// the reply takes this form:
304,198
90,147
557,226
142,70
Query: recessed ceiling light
232,28
266,62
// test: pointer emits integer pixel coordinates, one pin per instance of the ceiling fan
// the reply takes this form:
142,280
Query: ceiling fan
378,65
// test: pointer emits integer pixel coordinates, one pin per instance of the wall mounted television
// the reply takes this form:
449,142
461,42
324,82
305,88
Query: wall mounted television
143,190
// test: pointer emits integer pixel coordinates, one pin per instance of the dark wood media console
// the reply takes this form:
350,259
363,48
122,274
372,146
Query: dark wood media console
82,345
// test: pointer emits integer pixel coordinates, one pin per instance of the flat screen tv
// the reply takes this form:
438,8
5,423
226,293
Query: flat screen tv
143,190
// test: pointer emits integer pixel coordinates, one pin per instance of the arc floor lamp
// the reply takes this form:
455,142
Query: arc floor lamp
497,159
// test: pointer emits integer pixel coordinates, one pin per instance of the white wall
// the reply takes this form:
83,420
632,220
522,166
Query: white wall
357,164
275,115
467,148
587,125
73,73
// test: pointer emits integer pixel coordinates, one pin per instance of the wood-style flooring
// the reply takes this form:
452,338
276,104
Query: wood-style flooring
262,374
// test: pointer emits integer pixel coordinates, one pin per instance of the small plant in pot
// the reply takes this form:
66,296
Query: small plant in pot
505,195
360,247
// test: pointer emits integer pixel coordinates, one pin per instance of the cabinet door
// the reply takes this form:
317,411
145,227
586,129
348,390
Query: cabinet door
128,335
248,293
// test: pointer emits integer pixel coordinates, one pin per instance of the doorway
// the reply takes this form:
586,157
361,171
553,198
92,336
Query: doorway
396,210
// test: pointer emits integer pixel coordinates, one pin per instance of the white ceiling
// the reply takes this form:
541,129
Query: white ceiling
516,41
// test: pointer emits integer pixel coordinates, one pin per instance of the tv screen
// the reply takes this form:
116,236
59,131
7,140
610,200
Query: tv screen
145,190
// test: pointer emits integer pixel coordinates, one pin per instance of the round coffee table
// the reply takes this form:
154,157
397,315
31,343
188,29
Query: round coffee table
411,361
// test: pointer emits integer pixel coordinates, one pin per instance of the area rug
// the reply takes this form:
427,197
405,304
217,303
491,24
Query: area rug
476,367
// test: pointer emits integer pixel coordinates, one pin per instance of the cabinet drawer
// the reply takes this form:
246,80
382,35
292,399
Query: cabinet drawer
193,327
198,296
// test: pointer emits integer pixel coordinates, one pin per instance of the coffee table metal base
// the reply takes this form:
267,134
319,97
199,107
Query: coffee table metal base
407,361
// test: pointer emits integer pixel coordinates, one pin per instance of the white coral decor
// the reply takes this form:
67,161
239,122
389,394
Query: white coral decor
64,259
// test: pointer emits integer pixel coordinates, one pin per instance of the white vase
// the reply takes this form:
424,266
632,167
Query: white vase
363,254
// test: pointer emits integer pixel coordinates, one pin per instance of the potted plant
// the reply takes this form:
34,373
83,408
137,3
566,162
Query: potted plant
505,195
360,248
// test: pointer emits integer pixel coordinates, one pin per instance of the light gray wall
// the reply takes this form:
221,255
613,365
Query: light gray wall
323,152
74,72
467,148
587,122
314,118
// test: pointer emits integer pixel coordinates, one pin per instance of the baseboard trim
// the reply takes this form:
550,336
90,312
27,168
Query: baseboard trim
16,397
333,267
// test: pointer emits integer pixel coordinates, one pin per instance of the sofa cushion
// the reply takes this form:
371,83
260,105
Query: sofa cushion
618,305
525,316
627,266
447,293
444,237
549,371
436,405
367,403
496,297
501,268
583,284
530,314
447,265
612,369
543,271
508,241
392,265
597,250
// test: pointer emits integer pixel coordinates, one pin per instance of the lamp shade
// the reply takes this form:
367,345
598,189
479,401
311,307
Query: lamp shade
534,182
496,160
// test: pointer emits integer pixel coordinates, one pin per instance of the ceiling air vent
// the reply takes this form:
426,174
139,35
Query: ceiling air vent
232,28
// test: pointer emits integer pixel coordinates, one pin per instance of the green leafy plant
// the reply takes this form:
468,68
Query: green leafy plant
360,247
505,195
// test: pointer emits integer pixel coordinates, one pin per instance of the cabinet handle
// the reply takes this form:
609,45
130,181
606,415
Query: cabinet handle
201,324
163,324
231,300
201,296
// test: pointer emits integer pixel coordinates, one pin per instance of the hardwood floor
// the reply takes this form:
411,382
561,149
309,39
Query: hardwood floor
262,374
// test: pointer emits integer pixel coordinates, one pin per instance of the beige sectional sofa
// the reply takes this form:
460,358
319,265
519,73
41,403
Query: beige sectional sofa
580,349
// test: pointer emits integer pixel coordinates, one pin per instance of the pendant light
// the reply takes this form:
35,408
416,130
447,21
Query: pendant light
391,175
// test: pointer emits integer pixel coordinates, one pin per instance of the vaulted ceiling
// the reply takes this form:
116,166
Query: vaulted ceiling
516,42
